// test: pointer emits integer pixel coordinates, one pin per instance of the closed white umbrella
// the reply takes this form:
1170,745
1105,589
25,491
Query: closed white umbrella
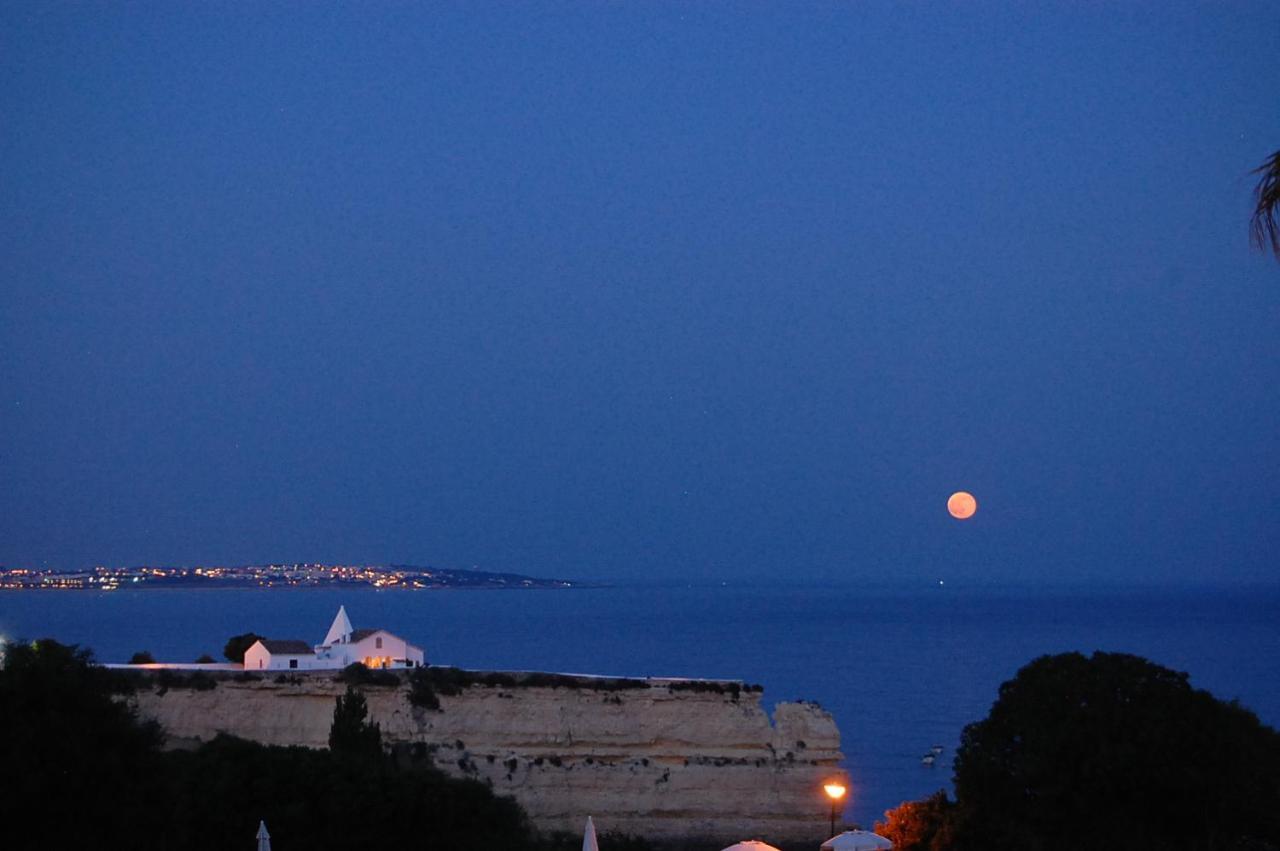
264,838
589,842
856,840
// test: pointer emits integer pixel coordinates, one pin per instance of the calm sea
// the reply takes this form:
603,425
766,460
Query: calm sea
901,669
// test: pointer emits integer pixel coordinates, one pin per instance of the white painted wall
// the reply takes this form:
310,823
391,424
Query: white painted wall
382,649
257,658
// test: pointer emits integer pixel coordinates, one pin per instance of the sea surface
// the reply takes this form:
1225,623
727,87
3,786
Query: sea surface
901,668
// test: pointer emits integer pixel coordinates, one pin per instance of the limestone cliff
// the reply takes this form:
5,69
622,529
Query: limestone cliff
659,758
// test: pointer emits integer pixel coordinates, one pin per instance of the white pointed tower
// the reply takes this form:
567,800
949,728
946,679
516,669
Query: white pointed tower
589,841
341,629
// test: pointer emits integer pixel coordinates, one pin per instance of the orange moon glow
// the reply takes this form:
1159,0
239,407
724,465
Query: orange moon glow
962,505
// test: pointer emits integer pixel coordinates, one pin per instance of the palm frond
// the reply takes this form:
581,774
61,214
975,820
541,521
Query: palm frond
1264,227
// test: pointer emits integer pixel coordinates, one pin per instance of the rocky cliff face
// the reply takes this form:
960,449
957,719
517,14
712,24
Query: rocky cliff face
658,759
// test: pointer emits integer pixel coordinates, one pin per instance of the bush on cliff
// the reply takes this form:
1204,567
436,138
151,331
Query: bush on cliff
733,689
357,674
451,681
421,692
200,681
237,645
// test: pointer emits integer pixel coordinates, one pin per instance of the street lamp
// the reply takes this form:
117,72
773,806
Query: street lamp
835,791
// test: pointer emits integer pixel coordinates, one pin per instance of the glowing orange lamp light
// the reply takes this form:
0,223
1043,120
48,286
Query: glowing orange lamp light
835,791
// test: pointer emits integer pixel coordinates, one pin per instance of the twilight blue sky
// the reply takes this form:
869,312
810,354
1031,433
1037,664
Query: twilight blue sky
641,291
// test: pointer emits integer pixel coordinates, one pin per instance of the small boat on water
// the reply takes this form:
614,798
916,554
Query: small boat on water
928,759
937,749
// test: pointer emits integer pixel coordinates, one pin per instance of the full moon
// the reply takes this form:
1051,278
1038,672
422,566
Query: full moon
962,505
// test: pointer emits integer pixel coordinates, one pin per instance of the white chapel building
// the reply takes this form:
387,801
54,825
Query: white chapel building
343,645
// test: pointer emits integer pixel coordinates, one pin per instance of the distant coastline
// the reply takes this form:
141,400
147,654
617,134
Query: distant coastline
302,575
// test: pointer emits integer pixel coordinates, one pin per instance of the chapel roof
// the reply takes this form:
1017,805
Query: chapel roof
289,646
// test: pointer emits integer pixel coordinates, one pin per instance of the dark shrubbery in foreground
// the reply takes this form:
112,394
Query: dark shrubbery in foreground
1111,750
317,799
79,768
85,773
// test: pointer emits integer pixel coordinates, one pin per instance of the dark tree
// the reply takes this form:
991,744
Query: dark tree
77,764
927,825
142,657
1264,227
238,644
1115,748
351,734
